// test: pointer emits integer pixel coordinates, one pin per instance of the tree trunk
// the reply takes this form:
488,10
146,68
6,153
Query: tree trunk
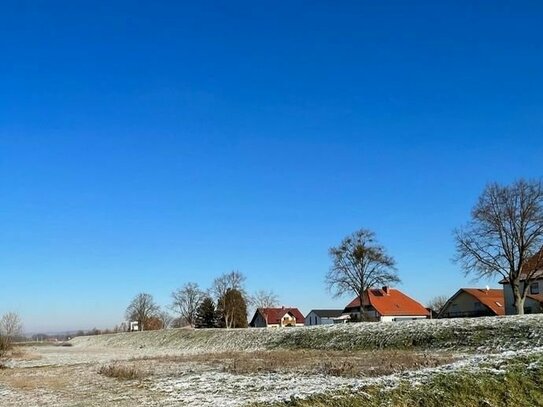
362,313
518,298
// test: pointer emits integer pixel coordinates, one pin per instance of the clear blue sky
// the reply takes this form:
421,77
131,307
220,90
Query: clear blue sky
147,144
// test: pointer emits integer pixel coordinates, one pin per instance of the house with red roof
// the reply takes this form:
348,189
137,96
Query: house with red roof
474,302
386,304
277,318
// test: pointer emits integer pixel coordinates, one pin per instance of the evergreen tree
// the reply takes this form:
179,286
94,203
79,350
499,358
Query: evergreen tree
205,314
232,310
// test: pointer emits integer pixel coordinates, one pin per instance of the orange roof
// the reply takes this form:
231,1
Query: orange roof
491,298
390,302
533,266
536,297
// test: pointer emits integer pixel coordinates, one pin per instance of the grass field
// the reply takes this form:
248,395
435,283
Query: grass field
464,362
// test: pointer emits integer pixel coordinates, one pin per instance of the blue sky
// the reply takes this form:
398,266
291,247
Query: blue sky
145,145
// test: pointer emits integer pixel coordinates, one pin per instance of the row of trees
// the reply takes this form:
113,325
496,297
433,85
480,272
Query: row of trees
503,239
224,305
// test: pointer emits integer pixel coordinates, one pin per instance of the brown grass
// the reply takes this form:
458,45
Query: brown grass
333,363
29,383
121,372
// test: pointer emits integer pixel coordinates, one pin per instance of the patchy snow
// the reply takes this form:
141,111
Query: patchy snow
484,344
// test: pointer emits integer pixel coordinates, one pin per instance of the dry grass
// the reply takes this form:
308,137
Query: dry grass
334,363
121,372
35,382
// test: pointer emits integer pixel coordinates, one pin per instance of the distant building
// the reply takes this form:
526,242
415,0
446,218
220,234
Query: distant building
277,318
325,317
534,298
474,302
386,304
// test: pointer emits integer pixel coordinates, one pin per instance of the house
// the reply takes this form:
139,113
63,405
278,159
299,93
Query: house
325,317
474,302
277,318
534,298
386,304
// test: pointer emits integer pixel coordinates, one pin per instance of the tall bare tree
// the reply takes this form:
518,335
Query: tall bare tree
166,319
264,299
233,281
437,303
185,302
143,309
504,236
359,263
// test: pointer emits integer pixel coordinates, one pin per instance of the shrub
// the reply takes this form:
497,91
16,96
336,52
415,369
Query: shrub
5,346
120,372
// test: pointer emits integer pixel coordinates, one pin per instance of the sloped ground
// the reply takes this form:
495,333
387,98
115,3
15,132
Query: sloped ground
365,364
492,333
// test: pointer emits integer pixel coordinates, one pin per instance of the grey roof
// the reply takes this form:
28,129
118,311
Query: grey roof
327,313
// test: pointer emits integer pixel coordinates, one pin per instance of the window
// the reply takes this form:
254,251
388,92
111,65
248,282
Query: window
534,288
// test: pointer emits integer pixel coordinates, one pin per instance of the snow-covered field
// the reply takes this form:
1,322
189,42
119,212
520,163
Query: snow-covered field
198,368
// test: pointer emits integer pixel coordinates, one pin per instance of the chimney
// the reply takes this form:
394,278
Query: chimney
386,290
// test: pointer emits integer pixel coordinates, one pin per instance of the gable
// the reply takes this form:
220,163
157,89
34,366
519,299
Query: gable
273,316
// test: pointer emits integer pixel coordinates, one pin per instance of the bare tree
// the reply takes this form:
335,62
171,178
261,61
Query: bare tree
11,327
166,318
359,263
504,236
264,299
234,280
185,302
142,309
436,304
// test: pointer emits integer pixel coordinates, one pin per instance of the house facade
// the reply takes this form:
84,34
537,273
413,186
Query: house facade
534,298
474,302
386,304
277,318
325,317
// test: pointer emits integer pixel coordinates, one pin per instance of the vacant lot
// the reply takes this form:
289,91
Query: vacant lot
358,364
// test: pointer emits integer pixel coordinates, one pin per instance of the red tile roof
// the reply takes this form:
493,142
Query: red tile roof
491,298
536,297
274,315
390,302
533,263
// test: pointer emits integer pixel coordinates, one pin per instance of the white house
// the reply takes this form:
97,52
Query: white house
325,317
277,318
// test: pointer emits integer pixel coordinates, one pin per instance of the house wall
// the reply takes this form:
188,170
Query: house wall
530,306
259,322
465,305
288,320
314,319
397,318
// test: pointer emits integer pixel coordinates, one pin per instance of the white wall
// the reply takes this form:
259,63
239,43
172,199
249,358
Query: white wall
509,299
314,319
395,318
